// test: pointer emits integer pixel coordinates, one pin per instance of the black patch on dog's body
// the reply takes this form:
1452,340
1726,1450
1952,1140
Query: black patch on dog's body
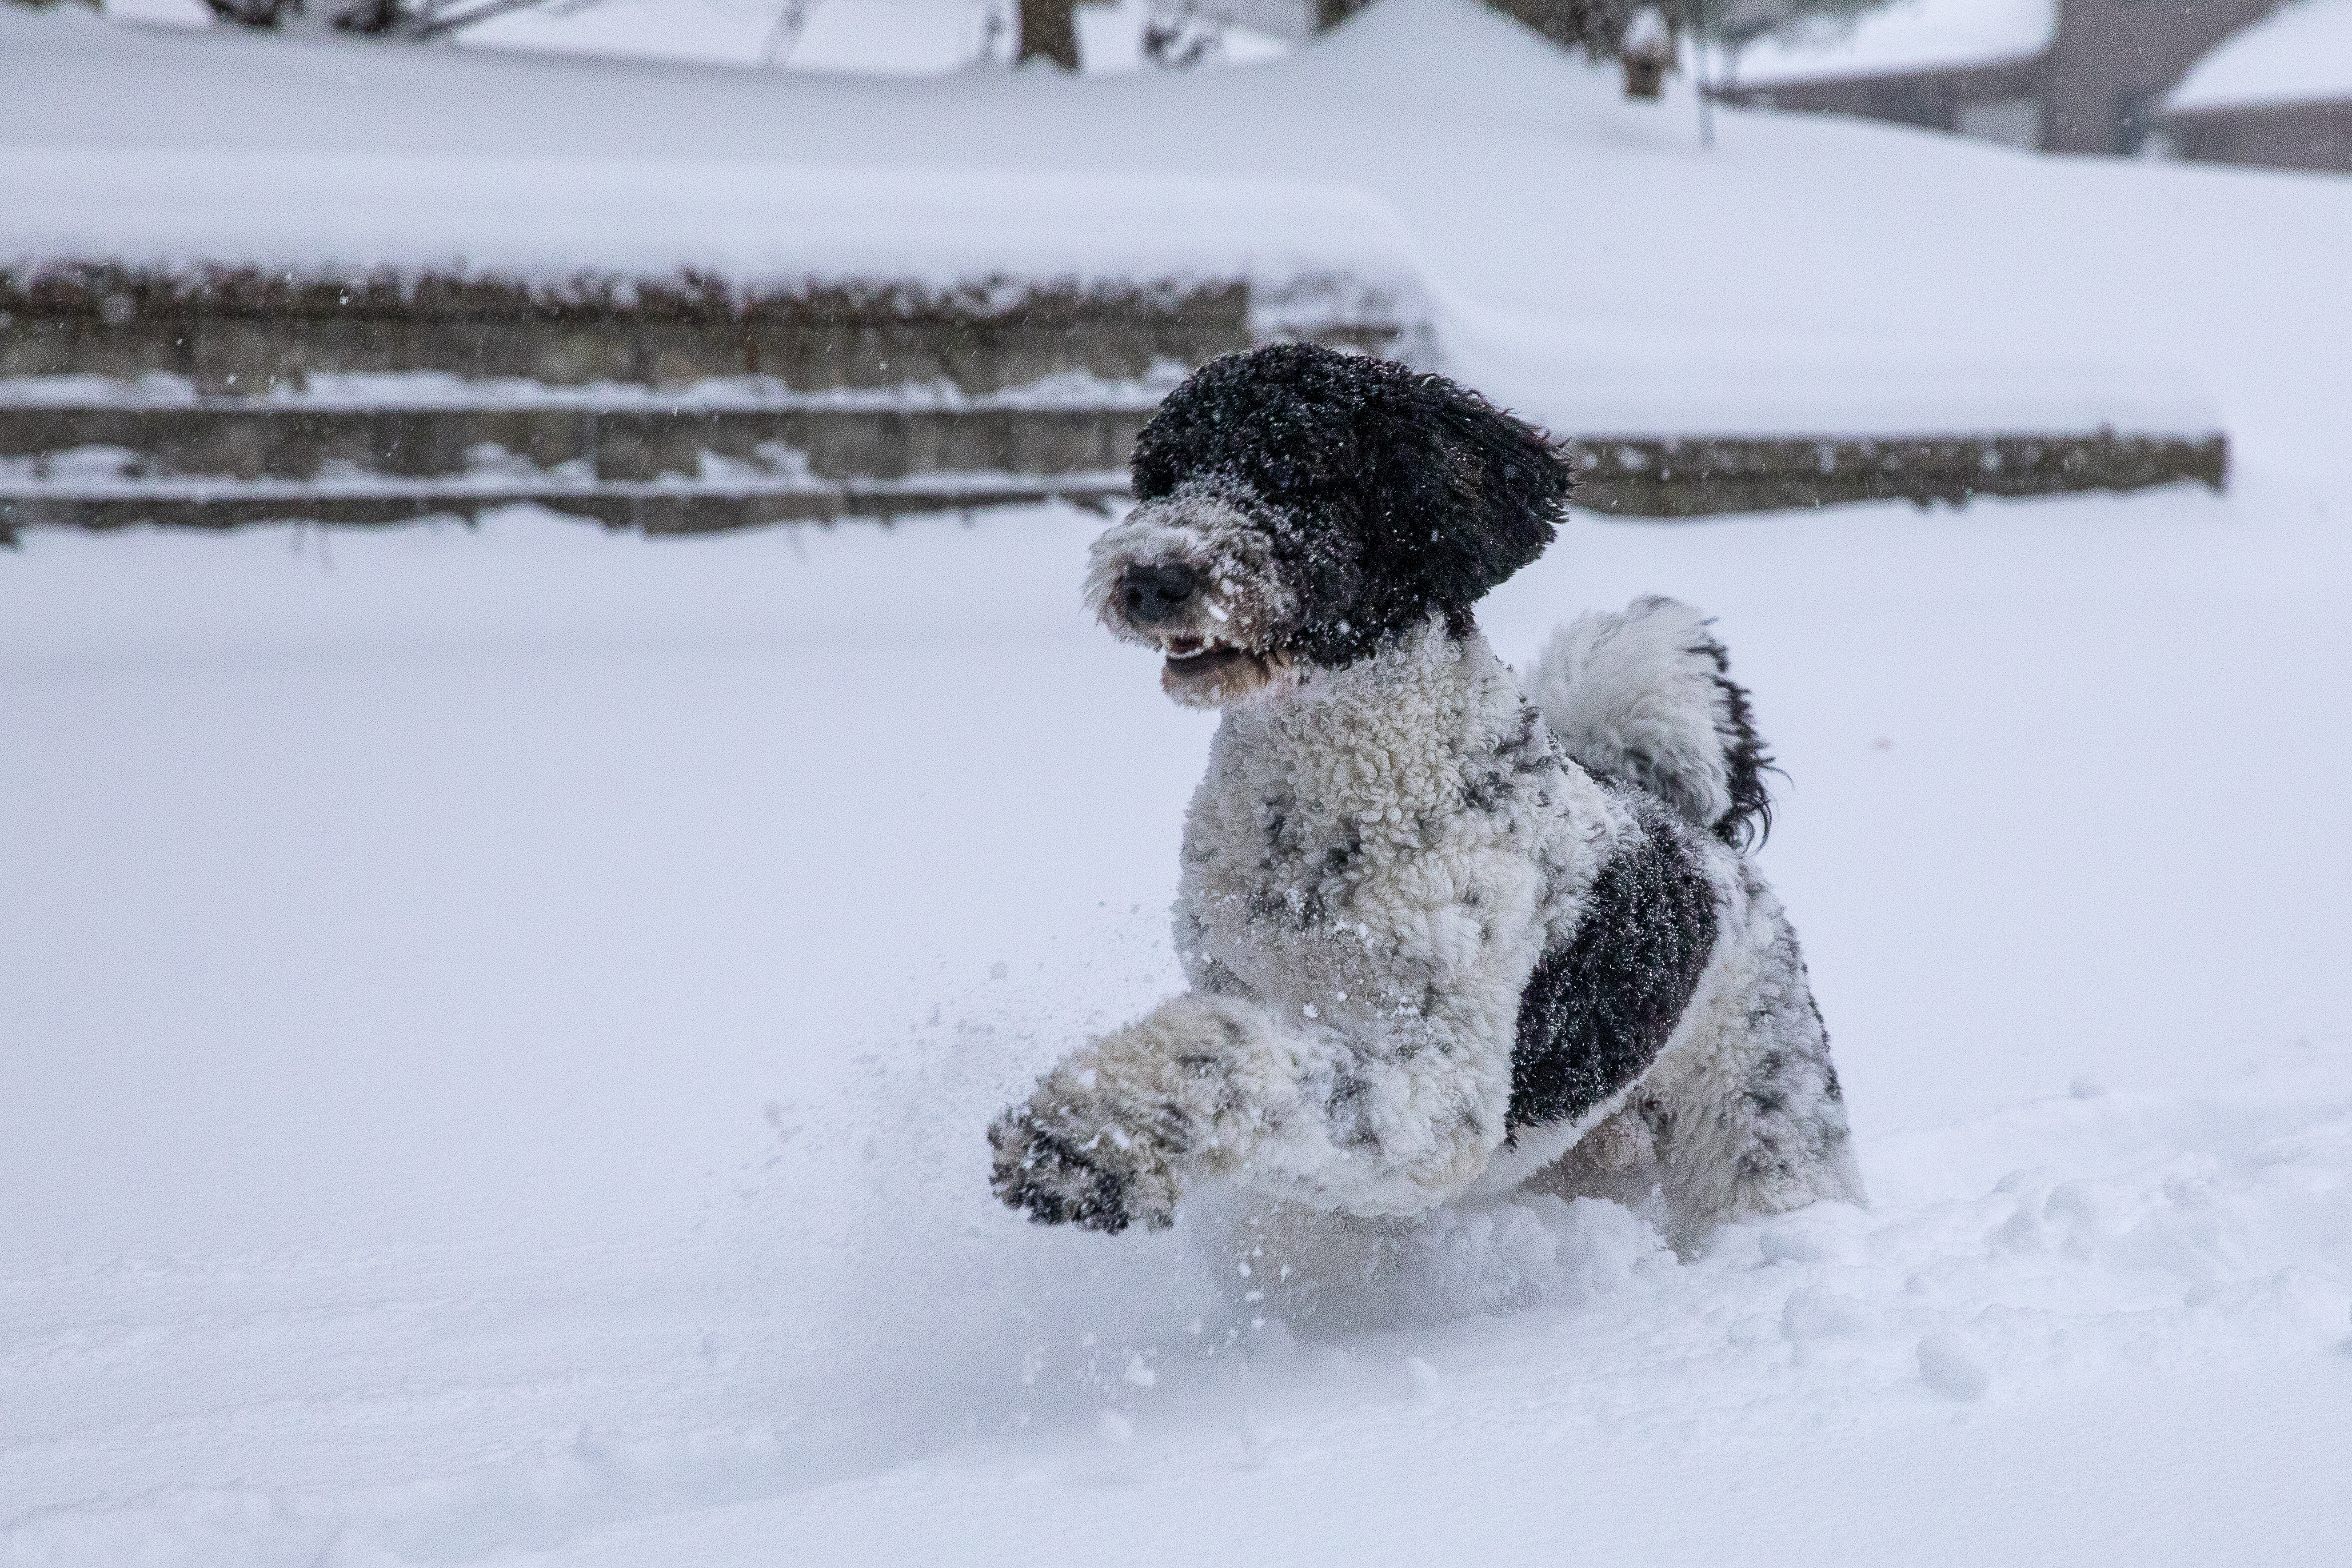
1388,493
1597,1011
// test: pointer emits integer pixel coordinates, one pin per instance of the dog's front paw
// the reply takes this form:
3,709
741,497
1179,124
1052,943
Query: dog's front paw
1098,1178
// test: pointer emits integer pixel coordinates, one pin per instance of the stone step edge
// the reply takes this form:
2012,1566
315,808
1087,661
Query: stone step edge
1709,475
648,506
1622,477
1659,458
1103,396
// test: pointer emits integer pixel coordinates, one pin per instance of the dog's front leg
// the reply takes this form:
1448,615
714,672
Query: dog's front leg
1110,1134
1208,1085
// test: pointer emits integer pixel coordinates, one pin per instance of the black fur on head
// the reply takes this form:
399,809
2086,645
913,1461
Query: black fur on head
1393,493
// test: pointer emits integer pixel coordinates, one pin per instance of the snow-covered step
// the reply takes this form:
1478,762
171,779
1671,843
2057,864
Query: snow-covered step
611,434
248,330
670,504
702,490
1649,475
213,261
213,394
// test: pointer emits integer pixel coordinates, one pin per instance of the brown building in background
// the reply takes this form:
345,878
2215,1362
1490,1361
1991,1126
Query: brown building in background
2278,94
2097,85
2267,135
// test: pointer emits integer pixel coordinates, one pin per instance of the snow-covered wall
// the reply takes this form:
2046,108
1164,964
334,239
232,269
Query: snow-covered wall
1907,35
420,158
552,218
1578,255
2301,54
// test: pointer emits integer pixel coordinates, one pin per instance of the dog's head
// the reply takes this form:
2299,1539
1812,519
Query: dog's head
1297,507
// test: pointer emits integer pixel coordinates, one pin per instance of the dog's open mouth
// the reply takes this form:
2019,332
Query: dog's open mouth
1205,672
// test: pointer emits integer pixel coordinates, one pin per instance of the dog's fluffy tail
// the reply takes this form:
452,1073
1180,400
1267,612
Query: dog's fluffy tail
1642,696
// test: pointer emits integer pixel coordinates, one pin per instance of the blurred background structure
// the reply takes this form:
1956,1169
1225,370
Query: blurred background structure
2245,81
2260,82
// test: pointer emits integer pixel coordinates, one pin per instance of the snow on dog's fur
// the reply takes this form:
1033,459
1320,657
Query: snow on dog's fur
1443,937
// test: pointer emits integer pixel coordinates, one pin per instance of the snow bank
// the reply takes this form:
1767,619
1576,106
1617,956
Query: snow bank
313,213
892,38
1734,388
1578,255
514,1014
466,207
2299,54
1907,36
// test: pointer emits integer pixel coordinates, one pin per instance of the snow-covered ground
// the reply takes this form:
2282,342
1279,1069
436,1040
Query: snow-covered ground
500,1025
496,1026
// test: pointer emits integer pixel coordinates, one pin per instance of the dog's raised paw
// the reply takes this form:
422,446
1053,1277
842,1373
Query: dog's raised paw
1095,1185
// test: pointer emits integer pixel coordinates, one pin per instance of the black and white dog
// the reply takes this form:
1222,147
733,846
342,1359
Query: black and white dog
1441,933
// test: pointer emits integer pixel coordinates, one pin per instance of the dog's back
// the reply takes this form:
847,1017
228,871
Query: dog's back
1729,1102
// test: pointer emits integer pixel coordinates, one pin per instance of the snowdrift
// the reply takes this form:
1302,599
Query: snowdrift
502,1024
1574,253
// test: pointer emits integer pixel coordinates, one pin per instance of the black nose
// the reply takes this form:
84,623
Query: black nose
1150,595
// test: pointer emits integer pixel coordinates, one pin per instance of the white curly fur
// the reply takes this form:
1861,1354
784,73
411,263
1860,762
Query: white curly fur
1205,530
1413,950
1633,694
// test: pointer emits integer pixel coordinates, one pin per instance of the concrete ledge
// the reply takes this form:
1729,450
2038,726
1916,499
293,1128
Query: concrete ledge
290,441
662,507
251,330
1648,475
1625,477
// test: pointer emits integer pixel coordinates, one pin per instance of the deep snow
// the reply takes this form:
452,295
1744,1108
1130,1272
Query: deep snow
503,1022
497,1024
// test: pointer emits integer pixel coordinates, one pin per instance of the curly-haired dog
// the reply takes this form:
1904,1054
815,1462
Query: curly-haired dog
1441,933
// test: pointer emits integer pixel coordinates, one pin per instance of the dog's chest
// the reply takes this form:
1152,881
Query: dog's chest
1367,853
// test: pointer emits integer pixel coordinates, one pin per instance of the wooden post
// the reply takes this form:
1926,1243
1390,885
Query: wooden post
1050,31
1699,73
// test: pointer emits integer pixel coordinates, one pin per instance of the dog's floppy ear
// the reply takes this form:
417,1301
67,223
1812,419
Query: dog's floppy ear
1468,492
